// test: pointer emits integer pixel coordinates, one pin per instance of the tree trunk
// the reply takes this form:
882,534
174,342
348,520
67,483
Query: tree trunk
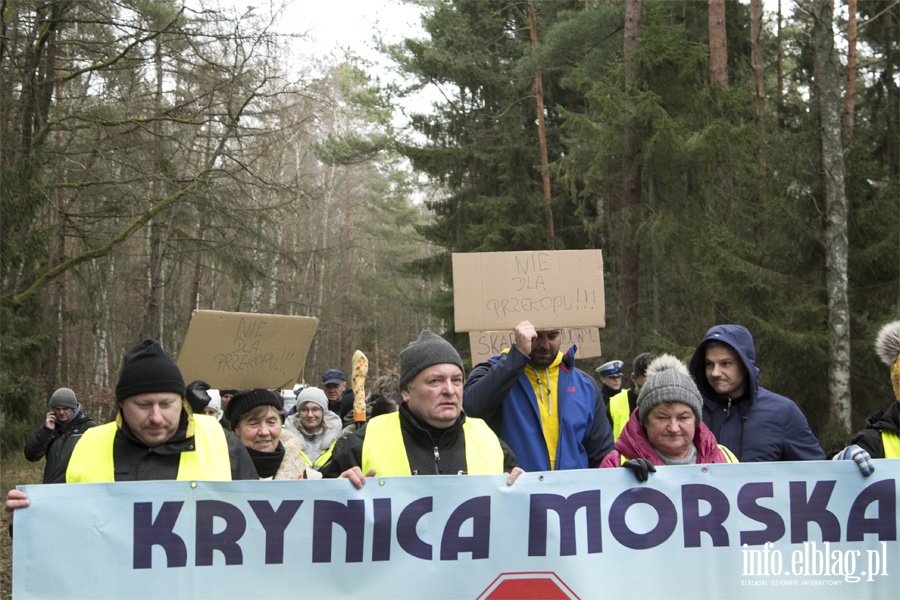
104,337
152,318
345,351
718,47
626,212
779,74
759,89
836,214
850,87
542,135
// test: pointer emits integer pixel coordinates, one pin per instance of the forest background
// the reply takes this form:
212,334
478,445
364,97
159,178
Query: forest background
735,161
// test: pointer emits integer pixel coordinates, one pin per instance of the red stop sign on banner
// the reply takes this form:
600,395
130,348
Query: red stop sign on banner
527,586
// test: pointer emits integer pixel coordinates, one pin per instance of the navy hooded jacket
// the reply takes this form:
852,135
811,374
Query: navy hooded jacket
760,426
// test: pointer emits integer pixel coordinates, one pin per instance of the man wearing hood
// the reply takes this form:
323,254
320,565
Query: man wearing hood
61,430
757,425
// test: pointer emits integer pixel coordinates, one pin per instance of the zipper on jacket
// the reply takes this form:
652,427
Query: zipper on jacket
437,461
549,397
540,393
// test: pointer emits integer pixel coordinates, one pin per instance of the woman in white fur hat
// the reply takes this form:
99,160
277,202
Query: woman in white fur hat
881,437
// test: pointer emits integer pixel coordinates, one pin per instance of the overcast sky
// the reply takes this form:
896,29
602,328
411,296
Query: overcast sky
335,25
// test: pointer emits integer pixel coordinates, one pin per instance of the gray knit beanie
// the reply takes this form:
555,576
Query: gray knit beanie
668,381
429,349
315,395
63,397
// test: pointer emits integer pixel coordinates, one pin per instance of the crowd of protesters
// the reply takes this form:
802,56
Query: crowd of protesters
528,409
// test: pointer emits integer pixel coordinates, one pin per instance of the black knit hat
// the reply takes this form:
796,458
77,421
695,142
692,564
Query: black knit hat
147,369
243,402
197,396
429,349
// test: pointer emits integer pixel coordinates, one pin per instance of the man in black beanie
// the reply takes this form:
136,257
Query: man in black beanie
430,434
155,435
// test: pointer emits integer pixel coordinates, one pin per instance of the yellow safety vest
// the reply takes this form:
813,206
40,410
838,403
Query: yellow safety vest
890,441
325,456
383,448
728,454
618,410
92,457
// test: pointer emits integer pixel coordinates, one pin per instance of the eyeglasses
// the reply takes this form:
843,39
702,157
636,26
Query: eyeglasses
310,409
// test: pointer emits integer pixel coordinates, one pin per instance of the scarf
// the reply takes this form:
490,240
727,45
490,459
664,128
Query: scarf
690,459
267,463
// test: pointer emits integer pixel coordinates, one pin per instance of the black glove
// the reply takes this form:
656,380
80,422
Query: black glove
641,467
197,396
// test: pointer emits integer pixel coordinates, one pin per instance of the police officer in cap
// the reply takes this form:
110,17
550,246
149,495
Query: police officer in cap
610,375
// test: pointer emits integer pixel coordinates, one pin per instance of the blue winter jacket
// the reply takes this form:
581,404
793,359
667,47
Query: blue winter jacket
499,392
760,426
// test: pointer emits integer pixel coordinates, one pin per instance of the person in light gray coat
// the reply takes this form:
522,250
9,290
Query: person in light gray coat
315,425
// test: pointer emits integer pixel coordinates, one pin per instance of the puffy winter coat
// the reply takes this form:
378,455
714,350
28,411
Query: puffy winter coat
500,392
760,426
56,444
315,444
634,443
881,426
444,454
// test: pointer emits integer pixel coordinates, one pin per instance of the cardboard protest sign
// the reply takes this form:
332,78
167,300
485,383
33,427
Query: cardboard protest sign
494,291
233,350
485,344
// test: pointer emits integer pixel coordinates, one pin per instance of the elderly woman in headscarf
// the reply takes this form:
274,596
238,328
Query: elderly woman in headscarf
315,425
666,428
256,417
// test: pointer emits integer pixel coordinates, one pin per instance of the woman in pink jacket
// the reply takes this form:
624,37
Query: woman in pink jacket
666,428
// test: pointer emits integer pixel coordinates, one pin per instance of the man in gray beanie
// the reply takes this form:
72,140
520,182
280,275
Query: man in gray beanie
666,428
62,428
430,434
429,349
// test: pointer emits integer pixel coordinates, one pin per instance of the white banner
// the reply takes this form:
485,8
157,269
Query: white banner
778,530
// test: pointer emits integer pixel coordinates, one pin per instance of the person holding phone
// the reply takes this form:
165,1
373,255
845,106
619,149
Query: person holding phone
61,430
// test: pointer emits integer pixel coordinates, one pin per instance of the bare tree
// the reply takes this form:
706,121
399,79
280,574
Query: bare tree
836,210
